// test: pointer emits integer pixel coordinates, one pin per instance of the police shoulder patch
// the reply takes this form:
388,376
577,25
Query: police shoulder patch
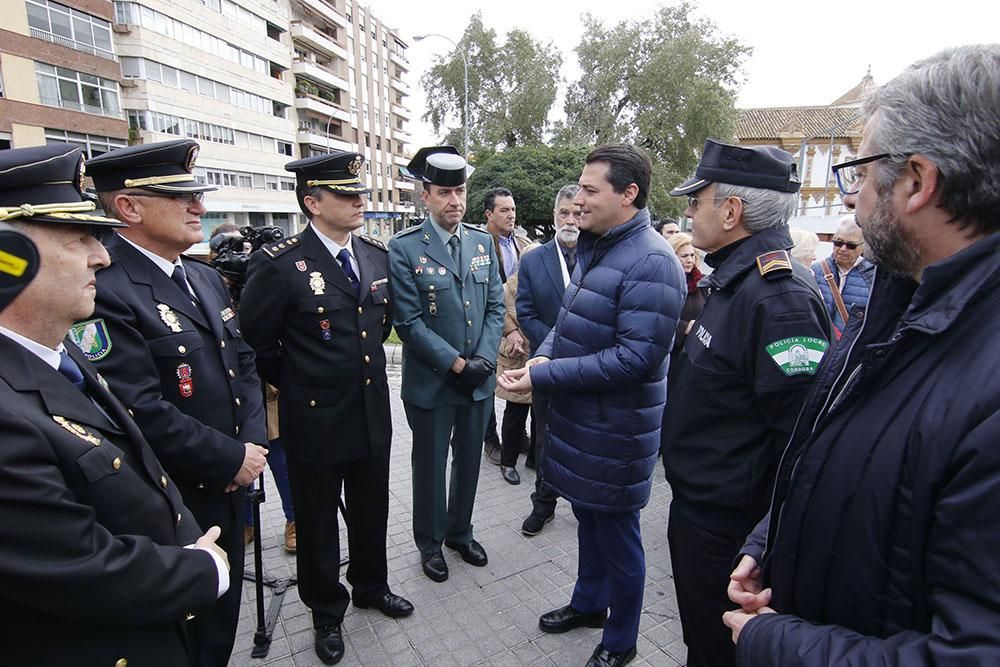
798,355
775,264
374,242
92,338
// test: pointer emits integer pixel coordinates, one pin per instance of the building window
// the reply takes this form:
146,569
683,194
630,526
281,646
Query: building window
69,89
69,27
284,147
142,68
92,145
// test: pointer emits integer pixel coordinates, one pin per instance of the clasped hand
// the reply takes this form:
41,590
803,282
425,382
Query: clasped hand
746,589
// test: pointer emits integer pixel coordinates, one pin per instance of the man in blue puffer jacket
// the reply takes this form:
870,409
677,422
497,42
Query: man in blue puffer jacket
851,273
604,365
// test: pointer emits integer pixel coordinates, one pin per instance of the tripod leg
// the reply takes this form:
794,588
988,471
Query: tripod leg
262,637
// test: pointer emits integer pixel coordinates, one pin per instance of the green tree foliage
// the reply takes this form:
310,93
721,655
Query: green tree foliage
533,174
512,87
665,83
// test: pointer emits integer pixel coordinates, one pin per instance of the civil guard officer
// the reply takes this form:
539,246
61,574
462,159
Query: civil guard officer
170,341
448,312
744,373
316,309
92,530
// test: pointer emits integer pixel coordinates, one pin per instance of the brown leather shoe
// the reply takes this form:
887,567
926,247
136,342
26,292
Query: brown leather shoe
247,535
290,542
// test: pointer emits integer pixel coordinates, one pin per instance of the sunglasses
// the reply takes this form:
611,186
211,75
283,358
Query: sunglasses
837,243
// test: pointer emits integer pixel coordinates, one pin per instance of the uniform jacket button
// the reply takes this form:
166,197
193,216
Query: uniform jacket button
360,310
364,334
312,404
368,359
121,662
368,381
163,481
117,463
222,343
182,349
178,519
232,373
238,402
320,309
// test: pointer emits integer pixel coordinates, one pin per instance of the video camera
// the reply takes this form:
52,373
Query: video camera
232,254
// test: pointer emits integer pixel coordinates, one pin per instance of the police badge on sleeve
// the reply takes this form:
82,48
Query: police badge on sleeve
798,355
92,338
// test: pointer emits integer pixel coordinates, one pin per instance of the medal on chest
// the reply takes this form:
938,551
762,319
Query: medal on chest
185,383
317,284
324,327
169,317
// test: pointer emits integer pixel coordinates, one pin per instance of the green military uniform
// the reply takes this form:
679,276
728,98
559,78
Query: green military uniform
443,311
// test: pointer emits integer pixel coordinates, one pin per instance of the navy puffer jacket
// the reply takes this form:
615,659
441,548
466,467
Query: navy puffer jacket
607,378
854,292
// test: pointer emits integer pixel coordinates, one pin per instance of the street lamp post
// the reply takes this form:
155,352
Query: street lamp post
465,85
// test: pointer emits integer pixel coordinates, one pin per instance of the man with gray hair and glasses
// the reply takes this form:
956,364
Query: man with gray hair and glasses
544,275
743,374
881,546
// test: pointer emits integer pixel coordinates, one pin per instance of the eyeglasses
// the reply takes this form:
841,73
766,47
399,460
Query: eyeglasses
187,198
837,243
848,178
693,201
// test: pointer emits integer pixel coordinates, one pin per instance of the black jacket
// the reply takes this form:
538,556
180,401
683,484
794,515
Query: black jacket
197,431
885,547
743,375
90,528
321,346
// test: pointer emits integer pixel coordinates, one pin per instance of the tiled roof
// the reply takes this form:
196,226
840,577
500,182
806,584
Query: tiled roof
776,122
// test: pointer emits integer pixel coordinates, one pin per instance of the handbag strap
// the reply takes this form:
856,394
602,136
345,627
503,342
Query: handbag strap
837,299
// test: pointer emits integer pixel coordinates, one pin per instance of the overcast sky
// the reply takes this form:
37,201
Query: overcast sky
804,51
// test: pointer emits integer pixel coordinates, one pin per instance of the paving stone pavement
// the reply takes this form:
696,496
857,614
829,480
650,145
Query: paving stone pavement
480,616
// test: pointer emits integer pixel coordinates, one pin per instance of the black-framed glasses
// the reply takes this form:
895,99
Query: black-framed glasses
837,243
848,178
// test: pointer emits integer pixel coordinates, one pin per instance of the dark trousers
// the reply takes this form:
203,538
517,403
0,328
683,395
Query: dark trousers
213,631
491,424
543,498
515,419
611,572
316,491
461,428
702,562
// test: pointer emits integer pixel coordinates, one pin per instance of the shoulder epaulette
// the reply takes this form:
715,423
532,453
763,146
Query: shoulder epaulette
474,228
375,242
407,231
280,247
775,265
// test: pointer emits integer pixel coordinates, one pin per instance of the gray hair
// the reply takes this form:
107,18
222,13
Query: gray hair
806,242
849,225
762,209
566,192
945,107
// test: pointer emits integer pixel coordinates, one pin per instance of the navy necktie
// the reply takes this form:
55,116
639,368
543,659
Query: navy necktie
71,371
344,256
180,279
456,252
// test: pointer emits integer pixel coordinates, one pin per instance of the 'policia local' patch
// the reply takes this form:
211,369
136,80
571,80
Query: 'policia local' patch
92,338
798,355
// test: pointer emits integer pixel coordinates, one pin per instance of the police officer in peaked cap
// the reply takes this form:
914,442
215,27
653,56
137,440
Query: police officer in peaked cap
448,311
92,528
317,308
743,374
172,343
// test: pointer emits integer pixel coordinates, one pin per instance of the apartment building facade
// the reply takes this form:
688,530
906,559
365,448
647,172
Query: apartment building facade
350,94
257,83
59,77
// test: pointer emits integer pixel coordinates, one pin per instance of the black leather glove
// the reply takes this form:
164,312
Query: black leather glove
455,381
477,371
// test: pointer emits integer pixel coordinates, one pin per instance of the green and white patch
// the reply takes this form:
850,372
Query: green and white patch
92,338
798,355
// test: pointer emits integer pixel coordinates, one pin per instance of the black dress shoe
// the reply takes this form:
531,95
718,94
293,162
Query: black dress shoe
472,553
435,567
509,474
329,644
567,618
389,604
602,657
491,448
